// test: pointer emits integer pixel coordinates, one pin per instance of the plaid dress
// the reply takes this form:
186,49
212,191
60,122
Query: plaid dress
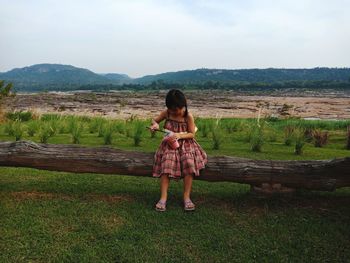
189,158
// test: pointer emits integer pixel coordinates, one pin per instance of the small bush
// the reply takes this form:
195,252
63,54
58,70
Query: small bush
257,138
320,137
108,130
232,126
204,130
19,116
54,127
9,128
32,128
50,116
348,138
138,131
308,134
17,130
44,132
76,132
288,134
119,127
217,138
299,141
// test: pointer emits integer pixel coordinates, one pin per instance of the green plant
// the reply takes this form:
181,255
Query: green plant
100,123
9,128
217,138
54,126
19,115
44,132
107,132
320,137
308,134
32,128
5,91
257,138
204,130
348,138
288,134
257,134
76,132
138,131
299,140
17,130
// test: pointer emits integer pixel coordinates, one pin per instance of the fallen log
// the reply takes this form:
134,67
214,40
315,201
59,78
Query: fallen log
262,175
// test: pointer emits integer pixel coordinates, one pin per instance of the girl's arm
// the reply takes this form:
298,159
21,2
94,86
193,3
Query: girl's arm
158,119
190,129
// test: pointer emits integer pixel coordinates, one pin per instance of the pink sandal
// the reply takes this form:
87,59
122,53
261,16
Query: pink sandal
189,205
161,206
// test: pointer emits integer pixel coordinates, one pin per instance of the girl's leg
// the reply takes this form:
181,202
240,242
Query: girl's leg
164,185
187,186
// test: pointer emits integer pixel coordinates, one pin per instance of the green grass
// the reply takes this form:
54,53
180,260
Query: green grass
233,141
50,216
62,217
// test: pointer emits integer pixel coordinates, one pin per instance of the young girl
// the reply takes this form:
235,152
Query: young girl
187,159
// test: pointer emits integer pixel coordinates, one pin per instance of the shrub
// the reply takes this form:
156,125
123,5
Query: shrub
257,137
204,130
348,138
76,132
308,134
44,132
217,138
19,115
138,131
299,141
108,130
54,126
9,128
288,134
320,137
32,128
17,130
232,126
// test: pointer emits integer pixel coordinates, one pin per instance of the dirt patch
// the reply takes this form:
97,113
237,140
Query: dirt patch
205,104
35,195
108,198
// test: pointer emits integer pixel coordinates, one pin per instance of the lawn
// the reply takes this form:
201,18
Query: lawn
48,216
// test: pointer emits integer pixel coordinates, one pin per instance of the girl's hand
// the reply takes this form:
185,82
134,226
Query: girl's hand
154,126
175,136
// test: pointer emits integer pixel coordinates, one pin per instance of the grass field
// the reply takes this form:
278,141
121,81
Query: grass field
50,216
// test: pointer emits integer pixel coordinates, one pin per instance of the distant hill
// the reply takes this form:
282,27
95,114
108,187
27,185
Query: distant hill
51,75
270,75
66,77
119,78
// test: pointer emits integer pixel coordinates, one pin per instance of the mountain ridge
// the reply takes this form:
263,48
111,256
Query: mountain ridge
54,75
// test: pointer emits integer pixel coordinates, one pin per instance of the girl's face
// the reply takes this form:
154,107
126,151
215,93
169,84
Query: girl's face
177,111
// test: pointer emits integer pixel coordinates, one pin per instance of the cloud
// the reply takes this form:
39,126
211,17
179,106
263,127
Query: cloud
149,37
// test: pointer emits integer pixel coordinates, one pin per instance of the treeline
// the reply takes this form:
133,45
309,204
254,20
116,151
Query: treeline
208,85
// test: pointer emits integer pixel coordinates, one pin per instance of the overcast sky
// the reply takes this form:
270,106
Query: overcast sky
148,37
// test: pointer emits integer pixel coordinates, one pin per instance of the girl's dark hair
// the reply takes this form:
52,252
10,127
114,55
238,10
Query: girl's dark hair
176,99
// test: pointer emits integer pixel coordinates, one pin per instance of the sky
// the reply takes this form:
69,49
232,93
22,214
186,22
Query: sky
146,37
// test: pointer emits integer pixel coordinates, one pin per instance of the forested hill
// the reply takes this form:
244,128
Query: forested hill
66,77
51,75
269,75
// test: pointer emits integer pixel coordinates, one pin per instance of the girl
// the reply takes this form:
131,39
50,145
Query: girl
187,159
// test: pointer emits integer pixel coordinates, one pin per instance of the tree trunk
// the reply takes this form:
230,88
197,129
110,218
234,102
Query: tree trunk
260,174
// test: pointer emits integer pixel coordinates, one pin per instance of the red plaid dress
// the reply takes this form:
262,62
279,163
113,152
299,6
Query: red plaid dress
189,158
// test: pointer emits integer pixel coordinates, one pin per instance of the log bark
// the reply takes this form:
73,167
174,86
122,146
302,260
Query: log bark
314,175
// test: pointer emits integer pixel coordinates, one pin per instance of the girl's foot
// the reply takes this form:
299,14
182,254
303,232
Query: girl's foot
189,205
161,206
